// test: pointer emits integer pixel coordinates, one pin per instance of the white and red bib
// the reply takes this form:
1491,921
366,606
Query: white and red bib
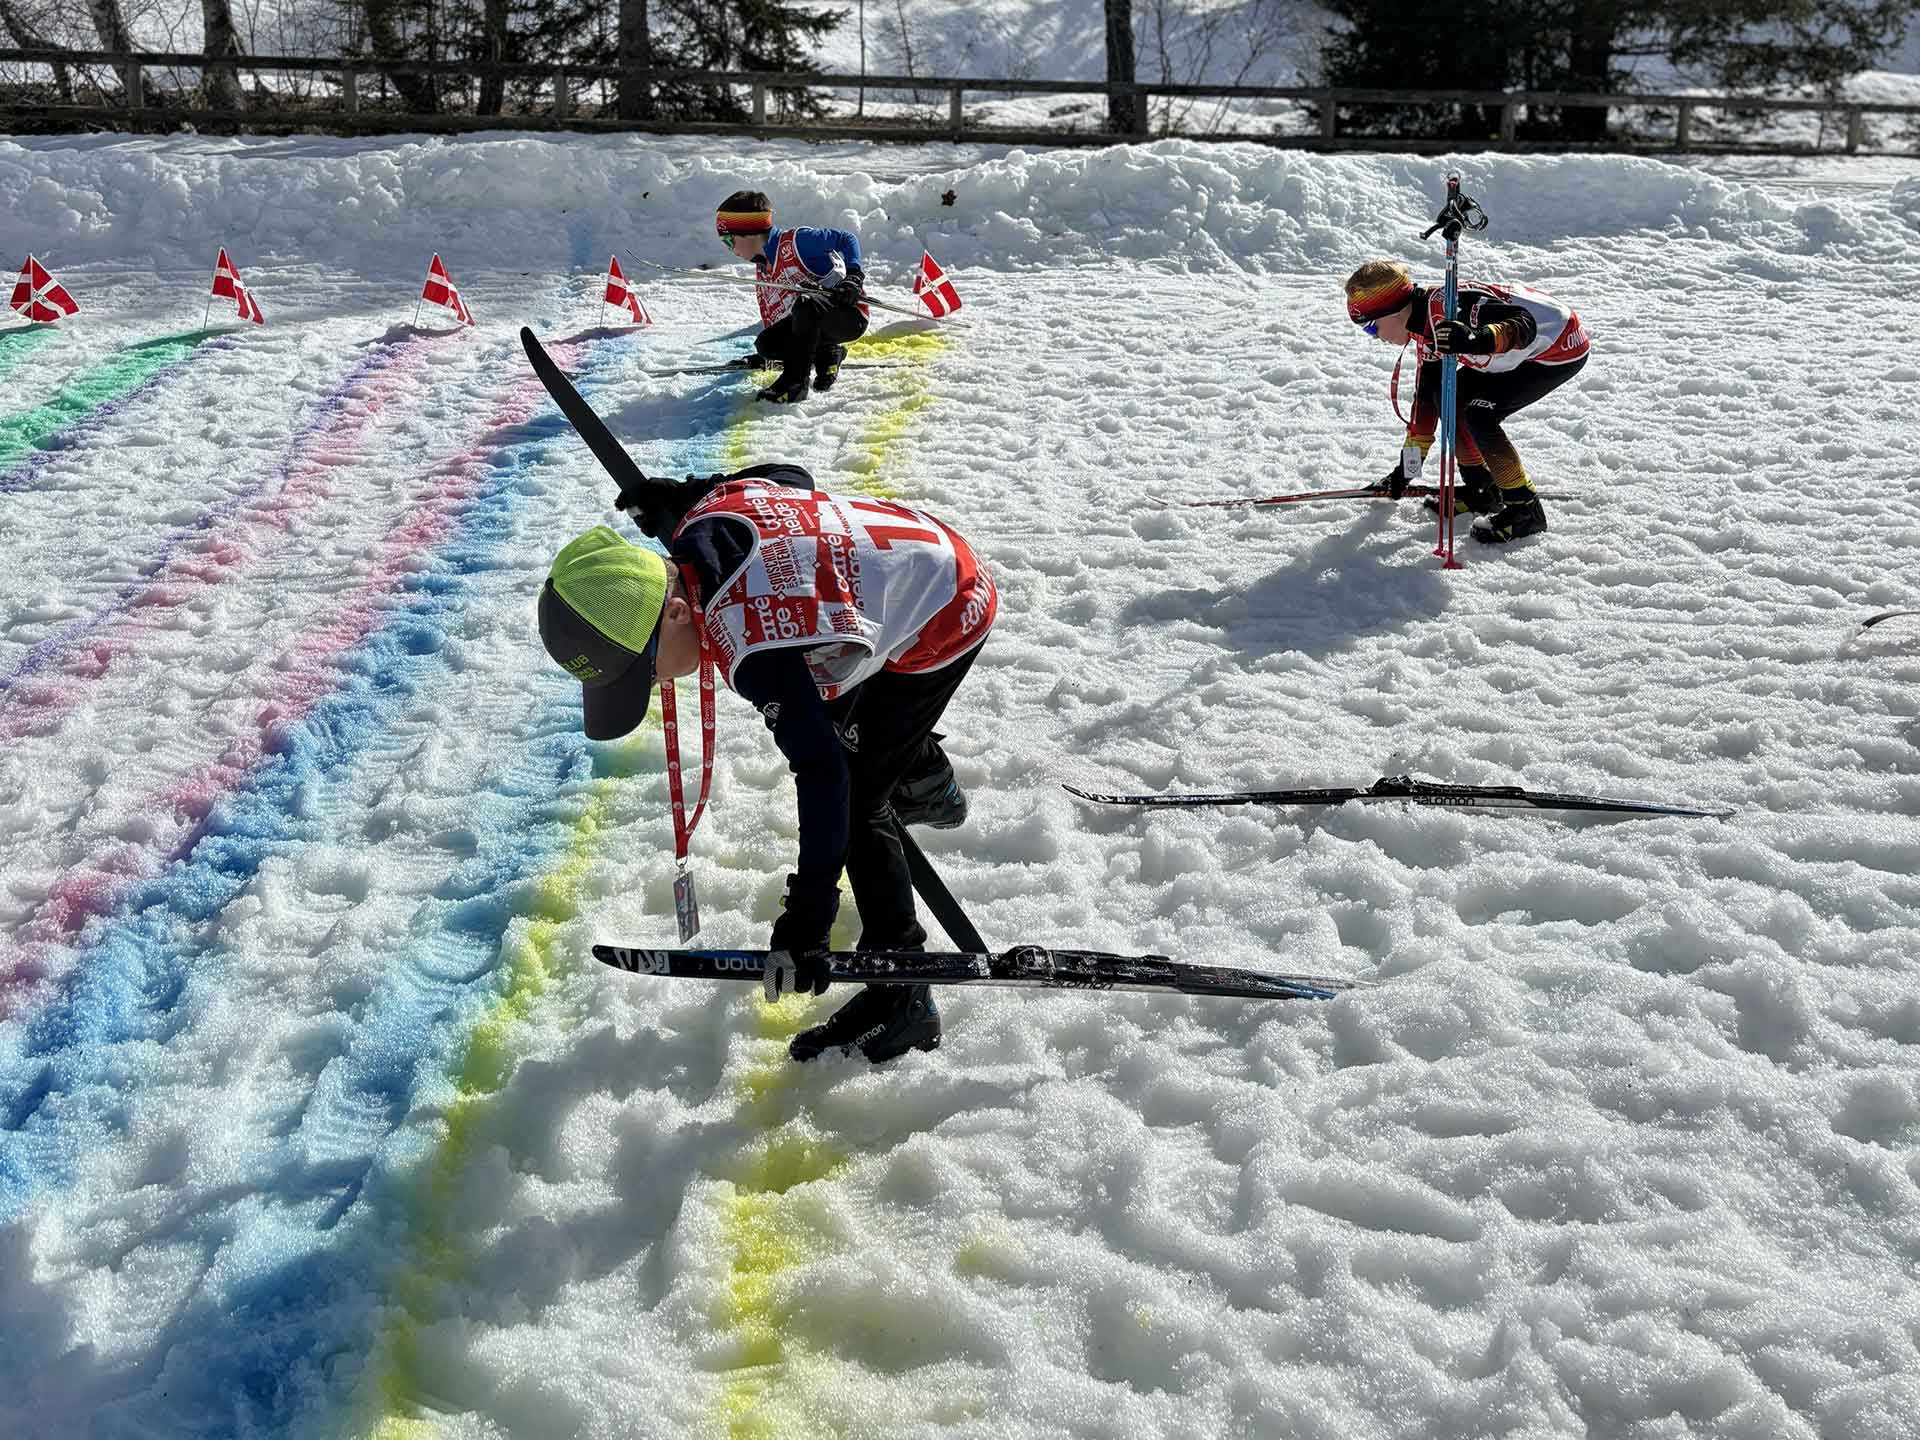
788,269
866,585
1559,339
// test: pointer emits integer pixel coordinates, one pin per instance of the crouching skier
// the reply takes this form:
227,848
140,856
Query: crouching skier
810,312
1515,345
849,623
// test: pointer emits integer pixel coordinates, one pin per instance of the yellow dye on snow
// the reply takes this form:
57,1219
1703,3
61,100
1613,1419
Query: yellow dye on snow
873,448
533,954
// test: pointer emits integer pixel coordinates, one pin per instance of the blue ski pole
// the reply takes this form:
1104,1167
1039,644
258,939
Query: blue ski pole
1460,213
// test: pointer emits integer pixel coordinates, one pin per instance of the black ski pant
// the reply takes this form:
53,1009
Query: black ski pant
1483,401
886,728
795,340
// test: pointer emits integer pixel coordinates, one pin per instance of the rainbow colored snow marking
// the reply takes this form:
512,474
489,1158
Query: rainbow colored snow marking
93,395
765,1239
287,688
198,554
18,344
534,949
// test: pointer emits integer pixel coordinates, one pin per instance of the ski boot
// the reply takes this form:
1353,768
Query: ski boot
932,798
1519,517
790,389
1474,492
826,367
882,1022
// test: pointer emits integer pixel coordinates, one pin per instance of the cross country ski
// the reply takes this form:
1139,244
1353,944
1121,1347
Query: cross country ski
1031,966
1305,497
1407,789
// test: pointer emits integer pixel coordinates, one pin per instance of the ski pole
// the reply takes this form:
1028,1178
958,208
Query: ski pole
1460,213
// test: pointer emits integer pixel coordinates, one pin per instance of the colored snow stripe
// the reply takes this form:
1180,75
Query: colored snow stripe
330,439
532,950
18,344
129,374
289,686
764,1238
875,447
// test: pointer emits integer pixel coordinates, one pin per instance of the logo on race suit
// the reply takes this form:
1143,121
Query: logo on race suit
783,569
1482,404
771,710
979,601
768,619
643,962
849,736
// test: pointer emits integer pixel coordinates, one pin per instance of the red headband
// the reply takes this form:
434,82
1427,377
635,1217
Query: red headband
743,222
1382,299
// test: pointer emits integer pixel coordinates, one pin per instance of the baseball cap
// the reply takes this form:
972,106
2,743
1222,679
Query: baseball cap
600,619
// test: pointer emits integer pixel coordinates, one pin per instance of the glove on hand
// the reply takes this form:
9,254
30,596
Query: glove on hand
1456,337
1394,482
848,290
752,360
798,964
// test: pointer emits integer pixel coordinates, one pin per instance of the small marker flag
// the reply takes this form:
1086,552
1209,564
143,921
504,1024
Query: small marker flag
620,293
226,282
40,297
440,291
933,289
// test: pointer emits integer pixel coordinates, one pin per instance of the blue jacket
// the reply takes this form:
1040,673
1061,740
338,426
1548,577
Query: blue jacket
816,245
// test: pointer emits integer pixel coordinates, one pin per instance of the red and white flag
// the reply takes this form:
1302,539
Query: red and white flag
440,291
40,297
934,289
226,281
624,295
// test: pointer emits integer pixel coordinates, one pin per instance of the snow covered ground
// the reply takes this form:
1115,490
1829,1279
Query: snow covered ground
317,1119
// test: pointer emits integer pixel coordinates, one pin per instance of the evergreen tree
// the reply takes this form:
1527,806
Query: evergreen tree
1584,46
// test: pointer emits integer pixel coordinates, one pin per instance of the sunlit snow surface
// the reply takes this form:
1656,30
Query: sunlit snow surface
319,1120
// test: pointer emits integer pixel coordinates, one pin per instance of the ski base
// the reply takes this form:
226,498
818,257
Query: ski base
1411,791
1306,497
1031,966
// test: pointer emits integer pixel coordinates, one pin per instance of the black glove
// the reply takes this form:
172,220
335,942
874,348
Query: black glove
752,360
1394,482
1456,337
798,964
848,289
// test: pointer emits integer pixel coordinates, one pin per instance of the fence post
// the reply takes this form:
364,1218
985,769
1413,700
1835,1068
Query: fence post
1329,115
1142,117
759,103
350,91
562,99
1856,129
1507,122
956,116
1683,127
136,86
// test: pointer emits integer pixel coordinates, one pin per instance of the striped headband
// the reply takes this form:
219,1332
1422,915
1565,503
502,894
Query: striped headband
743,222
1371,302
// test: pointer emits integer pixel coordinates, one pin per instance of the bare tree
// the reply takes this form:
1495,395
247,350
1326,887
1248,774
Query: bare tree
418,92
220,38
28,38
1122,107
493,39
636,53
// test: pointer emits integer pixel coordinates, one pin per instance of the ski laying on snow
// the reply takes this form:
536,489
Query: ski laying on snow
1884,616
743,365
1034,966
1414,792
1357,492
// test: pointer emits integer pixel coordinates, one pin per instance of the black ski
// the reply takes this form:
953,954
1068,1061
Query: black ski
632,480
733,366
1885,615
1414,792
1034,966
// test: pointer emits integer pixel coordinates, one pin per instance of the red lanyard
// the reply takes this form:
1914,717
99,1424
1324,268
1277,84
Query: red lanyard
669,722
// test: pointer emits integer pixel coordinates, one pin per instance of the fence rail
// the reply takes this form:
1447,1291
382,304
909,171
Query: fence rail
348,110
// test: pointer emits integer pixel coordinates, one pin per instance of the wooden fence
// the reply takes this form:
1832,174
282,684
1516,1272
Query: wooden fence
345,107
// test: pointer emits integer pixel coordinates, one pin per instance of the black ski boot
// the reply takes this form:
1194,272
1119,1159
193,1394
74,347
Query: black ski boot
882,1022
1519,517
826,367
1473,491
932,798
790,389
